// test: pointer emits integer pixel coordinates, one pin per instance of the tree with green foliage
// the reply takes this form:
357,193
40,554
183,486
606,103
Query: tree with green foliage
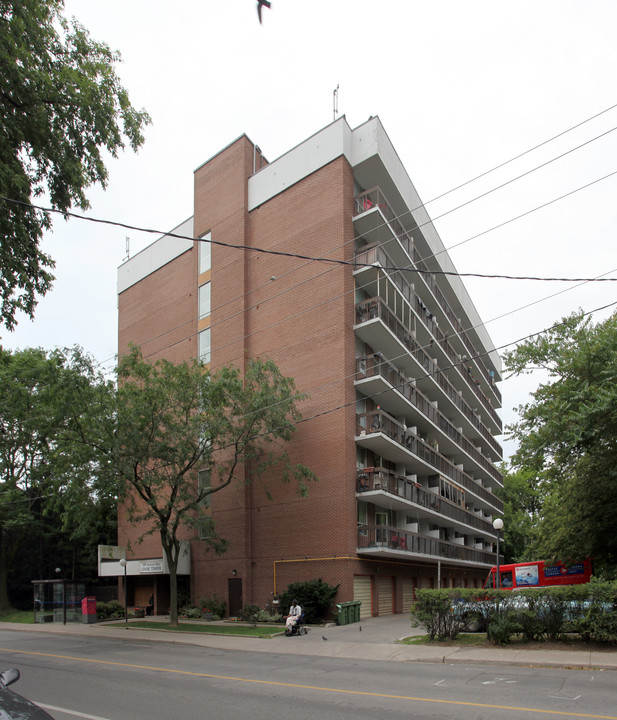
567,438
50,502
521,510
173,421
62,108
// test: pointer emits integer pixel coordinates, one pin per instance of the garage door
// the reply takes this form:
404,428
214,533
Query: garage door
407,588
362,591
385,584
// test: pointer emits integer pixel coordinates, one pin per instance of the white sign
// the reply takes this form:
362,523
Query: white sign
151,566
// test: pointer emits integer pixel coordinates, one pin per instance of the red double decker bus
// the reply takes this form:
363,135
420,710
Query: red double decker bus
538,574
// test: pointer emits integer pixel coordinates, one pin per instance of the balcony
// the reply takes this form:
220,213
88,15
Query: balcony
394,492
397,395
375,220
388,438
393,542
381,328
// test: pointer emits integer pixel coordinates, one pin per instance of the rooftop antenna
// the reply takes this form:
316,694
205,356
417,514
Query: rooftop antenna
335,102
128,253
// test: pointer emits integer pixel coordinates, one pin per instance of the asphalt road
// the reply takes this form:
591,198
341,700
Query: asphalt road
109,679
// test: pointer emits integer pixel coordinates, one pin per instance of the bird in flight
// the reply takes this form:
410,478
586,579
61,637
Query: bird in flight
260,4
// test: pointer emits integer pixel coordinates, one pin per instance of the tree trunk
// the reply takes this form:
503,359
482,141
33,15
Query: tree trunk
5,603
170,548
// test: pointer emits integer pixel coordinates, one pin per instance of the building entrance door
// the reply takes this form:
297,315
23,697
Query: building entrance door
234,593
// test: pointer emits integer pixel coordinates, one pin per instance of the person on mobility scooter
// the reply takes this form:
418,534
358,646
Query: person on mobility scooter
294,621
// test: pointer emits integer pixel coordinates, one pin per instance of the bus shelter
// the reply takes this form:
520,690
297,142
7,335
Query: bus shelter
58,601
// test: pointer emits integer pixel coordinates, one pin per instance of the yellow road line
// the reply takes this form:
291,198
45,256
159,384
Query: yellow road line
295,686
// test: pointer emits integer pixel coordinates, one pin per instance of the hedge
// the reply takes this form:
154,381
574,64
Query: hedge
589,611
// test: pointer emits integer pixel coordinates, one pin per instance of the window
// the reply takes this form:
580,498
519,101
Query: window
381,517
506,579
205,483
205,253
362,513
205,299
205,348
452,492
205,526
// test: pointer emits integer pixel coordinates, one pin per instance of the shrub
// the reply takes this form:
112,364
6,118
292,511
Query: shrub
315,597
488,604
530,624
598,625
250,613
190,611
552,612
109,610
443,613
265,616
596,620
502,626
214,605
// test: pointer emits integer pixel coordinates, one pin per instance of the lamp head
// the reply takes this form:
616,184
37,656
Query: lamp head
498,523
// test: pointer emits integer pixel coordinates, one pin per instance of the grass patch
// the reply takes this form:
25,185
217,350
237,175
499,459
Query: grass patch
568,642
463,639
17,616
259,631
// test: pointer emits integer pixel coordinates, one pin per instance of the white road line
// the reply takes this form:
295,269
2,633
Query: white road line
439,683
71,712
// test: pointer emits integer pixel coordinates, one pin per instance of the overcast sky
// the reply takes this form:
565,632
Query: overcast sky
460,87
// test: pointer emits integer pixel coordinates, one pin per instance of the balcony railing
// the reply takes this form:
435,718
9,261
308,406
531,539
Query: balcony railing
375,365
375,307
376,254
380,479
379,422
375,198
381,536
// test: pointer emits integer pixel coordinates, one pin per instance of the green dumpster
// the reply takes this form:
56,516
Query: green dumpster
342,613
348,612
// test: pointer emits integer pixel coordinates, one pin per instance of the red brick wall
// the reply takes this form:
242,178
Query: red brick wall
221,207
159,313
302,320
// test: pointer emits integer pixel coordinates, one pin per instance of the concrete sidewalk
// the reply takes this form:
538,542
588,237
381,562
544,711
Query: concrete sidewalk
376,640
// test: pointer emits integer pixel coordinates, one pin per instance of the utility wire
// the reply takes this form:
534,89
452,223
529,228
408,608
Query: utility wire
310,259
518,177
522,215
332,261
517,157
422,348
479,355
452,365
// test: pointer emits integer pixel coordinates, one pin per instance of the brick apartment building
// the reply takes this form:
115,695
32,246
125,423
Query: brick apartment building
399,372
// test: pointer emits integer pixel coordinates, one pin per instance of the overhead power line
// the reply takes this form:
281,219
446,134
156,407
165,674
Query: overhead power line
331,261
520,155
522,175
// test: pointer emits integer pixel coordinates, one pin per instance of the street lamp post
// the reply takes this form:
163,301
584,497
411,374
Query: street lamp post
498,525
126,607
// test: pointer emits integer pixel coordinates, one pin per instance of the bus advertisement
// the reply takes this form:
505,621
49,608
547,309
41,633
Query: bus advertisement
539,574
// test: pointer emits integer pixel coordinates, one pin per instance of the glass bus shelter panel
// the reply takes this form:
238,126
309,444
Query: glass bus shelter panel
58,601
